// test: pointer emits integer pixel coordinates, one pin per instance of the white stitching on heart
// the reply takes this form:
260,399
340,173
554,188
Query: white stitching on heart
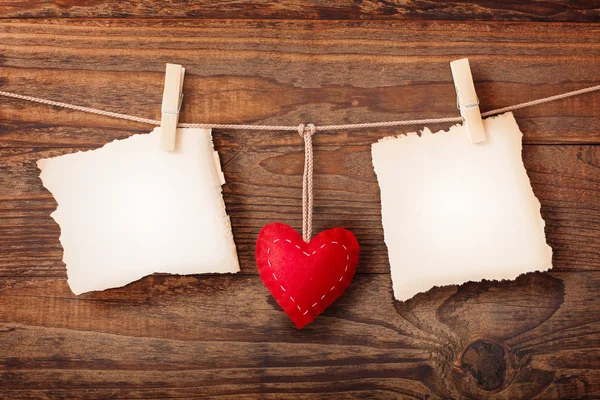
308,255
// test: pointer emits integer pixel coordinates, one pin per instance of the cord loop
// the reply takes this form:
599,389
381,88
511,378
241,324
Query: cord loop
308,129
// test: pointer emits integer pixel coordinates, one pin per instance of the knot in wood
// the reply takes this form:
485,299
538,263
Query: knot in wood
484,359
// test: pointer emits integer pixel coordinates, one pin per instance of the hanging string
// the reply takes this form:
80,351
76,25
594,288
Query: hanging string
541,101
306,132
80,108
295,127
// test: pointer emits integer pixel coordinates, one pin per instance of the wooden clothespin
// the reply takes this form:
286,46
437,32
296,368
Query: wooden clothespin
171,104
466,100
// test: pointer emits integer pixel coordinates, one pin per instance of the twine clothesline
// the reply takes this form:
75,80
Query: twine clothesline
365,125
305,131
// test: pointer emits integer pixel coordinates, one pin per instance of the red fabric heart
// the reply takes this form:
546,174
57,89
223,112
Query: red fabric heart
305,278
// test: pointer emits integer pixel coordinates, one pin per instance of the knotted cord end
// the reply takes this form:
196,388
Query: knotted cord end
306,130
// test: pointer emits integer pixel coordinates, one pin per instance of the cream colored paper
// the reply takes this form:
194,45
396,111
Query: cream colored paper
128,210
454,211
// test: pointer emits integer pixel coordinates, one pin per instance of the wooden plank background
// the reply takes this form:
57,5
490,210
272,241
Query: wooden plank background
288,62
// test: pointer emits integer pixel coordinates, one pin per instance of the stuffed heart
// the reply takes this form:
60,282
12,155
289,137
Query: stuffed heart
305,278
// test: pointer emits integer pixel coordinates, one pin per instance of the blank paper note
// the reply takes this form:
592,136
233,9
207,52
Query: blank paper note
128,210
454,211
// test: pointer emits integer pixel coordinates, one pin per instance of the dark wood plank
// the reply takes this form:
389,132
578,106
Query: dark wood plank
224,336
264,185
274,72
177,337
497,10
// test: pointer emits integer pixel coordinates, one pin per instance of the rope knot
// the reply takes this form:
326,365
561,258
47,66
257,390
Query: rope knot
306,130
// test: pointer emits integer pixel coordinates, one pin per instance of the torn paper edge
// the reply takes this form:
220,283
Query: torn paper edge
221,178
427,131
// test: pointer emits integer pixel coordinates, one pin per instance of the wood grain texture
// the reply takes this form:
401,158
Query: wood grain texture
224,336
274,72
497,10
